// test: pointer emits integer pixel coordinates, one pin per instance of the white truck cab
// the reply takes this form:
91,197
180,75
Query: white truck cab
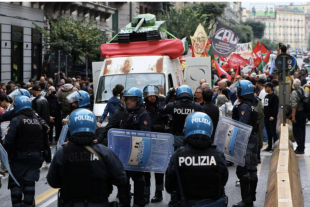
134,71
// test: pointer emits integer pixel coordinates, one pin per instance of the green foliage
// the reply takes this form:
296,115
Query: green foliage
308,46
257,27
183,22
245,32
268,43
78,37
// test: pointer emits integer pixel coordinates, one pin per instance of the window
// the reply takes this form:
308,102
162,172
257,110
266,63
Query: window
139,80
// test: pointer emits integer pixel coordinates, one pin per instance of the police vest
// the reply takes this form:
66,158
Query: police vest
30,135
130,120
156,119
200,174
79,182
254,114
180,112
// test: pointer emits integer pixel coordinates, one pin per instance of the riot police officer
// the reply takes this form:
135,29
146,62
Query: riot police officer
135,118
201,160
9,115
246,112
85,171
158,122
78,99
183,106
27,145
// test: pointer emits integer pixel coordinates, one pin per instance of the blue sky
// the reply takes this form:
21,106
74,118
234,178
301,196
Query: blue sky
247,4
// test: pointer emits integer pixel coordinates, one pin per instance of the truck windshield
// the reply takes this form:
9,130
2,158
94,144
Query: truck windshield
108,82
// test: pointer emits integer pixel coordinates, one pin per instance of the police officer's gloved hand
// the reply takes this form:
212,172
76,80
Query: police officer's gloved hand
171,92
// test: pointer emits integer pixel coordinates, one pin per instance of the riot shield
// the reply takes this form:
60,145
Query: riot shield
5,161
232,137
63,135
140,150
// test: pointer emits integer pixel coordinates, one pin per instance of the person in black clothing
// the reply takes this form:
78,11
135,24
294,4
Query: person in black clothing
40,104
55,113
114,122
135,118
200,160
85,171
271,108
211,109
27,146
183,106
158,122
246,112
198,95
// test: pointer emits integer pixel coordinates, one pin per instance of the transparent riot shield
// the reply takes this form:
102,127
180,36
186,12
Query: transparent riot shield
140,150
5,161
231,138
63,135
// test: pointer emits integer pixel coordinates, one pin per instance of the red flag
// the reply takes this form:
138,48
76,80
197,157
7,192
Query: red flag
226,67
266,58
236,60
237,73
224,59
263,48
221,71
257,55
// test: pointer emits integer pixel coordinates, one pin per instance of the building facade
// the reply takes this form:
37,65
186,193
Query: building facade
21,43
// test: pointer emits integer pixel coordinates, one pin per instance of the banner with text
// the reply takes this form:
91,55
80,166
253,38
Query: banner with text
224,41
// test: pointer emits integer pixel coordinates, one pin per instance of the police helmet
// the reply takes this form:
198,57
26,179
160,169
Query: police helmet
82,97
21,102
150,90
19,92
134,92
184,91
198,123
82,120
244,87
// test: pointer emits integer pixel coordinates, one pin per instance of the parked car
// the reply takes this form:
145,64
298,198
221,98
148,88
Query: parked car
306,59
299,55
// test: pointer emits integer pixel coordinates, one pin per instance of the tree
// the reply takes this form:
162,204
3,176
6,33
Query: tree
183,22
257,27
308,46
78,37
269,44
245,32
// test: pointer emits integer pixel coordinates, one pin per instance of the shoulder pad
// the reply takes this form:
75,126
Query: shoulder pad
180,149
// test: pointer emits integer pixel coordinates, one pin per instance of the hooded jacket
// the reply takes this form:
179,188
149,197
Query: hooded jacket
110,108
62,94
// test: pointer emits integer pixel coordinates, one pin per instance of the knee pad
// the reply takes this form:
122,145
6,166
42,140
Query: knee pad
16,194
29,192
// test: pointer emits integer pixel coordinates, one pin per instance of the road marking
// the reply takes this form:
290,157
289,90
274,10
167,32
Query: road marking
42,197
49,202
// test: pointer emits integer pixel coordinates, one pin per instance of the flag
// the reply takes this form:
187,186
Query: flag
263,48
272,66
264,62
224,59
236,60
257,56
226,67
237,73
221,71
224,41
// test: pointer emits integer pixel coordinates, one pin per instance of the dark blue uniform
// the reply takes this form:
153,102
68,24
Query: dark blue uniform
138,119
85,175
207,167
246,112
179,110
27,145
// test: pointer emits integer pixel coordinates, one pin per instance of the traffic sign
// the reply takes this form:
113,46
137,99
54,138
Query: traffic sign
285,61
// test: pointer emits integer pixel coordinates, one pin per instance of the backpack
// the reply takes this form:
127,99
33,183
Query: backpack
65,105
305,100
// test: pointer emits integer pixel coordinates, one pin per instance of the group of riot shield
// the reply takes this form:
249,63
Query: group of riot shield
151,151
